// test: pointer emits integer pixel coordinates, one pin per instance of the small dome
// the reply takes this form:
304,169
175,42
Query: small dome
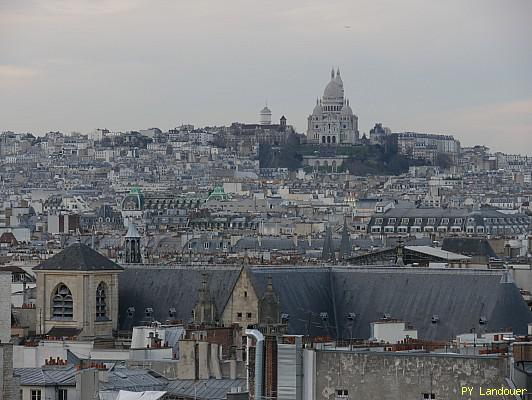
266,110
134,201
346,110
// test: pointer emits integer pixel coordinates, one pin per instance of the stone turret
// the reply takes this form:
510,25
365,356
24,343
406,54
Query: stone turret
269,307
205,308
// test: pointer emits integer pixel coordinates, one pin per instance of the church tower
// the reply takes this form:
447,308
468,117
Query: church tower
132,244
77,294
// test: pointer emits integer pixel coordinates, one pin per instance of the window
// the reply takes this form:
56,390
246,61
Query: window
378,221
206,245
245,294
405,221
342,394
62,394
239,315
429,396
445,221
62,303
35,394
248,315
431,221
101,301
419,221
392,221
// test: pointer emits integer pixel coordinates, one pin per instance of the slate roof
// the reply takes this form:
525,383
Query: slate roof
303,294
78,257
458,297
206,389
47,376
469,246
137,380
164,288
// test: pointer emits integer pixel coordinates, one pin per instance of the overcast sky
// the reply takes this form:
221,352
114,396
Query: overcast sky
460,67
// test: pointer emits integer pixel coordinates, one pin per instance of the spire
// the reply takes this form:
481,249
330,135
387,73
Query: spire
327,253
345,244
338,72
332,73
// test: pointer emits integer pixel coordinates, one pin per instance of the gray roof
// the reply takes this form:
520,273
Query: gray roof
78,257
47,376
437,252
459,298
468,246
137,380
164,288
303,294
206,389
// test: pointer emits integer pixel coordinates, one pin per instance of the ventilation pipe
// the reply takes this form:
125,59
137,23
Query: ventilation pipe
259,360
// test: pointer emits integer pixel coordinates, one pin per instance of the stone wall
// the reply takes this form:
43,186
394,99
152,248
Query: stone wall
243,305
393,376
6,372
5,307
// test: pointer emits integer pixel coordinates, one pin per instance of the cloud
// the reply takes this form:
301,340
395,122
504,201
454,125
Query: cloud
11,75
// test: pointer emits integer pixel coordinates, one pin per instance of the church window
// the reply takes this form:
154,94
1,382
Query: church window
101,301
334,139
62,303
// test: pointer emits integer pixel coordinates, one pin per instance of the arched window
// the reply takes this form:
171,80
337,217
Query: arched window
101,301
62,303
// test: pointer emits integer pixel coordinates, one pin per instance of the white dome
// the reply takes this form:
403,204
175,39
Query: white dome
346,110
333,90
